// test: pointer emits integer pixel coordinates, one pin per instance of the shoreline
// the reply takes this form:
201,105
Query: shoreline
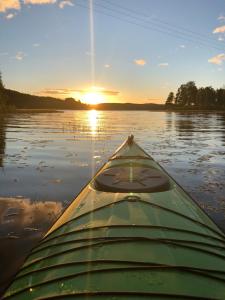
36,110
44,110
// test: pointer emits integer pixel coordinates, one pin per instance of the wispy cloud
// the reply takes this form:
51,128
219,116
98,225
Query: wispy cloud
110,93
182,46
39,1
9,4
107,66
220,38
219,29
64,3
221,18
163,65
218,59
57,92
140,62
67,92
36,45
20,55
10,16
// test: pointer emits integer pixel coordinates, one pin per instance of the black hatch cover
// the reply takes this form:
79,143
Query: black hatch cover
132,179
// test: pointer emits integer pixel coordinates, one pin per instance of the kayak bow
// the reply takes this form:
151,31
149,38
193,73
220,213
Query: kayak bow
132,233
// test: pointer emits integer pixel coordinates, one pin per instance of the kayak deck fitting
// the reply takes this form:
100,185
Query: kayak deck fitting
132,233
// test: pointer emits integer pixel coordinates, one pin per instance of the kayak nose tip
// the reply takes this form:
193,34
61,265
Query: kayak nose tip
130,139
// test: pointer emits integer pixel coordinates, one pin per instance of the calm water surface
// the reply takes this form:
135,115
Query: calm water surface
45,160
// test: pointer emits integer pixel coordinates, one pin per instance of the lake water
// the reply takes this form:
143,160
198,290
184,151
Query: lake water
46,158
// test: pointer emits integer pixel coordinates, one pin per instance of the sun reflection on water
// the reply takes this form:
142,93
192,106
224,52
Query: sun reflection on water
93,119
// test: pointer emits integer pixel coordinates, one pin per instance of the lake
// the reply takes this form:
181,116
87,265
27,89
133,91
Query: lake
46,159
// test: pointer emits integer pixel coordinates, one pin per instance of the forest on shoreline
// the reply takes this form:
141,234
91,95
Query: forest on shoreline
189,96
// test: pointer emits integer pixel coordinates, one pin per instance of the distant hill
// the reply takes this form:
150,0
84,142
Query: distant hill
130,106
27,101
21,100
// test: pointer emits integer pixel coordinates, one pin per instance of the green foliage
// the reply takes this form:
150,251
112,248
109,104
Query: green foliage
170,99
3,101
1,83
220,97
188,95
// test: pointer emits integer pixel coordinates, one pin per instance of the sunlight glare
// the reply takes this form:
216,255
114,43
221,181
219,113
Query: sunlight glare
93,117
92,98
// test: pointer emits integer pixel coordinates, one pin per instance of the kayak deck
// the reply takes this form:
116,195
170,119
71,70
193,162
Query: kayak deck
128,235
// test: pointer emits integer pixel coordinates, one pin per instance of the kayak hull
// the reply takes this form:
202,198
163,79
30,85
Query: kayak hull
120,244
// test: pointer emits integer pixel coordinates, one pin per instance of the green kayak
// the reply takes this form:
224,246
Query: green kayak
132,233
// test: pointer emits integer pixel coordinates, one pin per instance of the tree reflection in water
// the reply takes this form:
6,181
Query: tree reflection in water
2,139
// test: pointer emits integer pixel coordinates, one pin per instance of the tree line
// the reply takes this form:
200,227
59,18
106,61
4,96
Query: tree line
10,100
188,95
3,96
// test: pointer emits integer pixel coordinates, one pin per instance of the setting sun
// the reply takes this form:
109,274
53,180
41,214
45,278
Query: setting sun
92,98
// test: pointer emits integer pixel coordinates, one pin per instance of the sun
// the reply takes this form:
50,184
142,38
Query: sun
92,98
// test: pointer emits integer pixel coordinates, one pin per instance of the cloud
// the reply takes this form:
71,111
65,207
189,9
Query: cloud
10,16
6,5
39,1
107,66
59,92
218,59
220,38
20,55
220,29
163,65
182,46
110,93
64,3
64,93
221,18
140,62
36,45
9,4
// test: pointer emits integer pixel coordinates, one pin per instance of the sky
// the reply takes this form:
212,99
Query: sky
115,51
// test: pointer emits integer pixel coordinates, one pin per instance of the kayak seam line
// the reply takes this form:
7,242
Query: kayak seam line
131,294
127,226
129,157
124,144
123,237
111,242
137,200
102,261
90,272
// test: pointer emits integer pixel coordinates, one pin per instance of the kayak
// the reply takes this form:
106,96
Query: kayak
132,233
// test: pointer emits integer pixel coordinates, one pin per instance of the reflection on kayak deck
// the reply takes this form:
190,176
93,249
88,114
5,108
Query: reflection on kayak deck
23,224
